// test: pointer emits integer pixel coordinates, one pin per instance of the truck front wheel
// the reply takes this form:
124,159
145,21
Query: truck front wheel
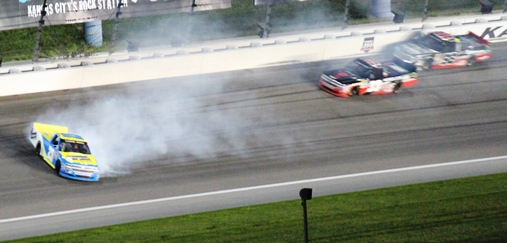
57,167
427,64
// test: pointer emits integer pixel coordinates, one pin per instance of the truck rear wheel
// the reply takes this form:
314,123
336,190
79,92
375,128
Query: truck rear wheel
37,149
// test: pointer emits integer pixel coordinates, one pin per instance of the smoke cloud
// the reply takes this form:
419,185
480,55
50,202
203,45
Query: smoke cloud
126,131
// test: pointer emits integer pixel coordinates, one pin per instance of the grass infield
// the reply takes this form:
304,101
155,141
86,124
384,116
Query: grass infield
461,210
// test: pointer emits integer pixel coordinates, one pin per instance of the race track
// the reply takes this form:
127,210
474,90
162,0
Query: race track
181,136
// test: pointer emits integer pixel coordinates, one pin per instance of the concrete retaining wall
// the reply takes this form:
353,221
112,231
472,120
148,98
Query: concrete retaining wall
220,56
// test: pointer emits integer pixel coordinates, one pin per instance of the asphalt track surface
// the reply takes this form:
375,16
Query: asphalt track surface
280,128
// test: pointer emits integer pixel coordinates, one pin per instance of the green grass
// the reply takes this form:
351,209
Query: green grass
239,20
62,40
462,210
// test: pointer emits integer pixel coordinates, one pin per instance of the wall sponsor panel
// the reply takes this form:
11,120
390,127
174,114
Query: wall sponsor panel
15,14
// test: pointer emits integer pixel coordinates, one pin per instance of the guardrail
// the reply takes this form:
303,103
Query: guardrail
234,54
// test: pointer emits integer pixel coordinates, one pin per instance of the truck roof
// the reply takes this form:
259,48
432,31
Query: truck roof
443,36
48,128
71,137
369,62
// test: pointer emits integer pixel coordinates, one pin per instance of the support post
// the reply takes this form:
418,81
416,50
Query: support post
305,194
305,219
425,10
346,15
112,45
190,21
267,25
35,56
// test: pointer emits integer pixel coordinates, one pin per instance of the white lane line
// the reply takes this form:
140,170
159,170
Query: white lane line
251,188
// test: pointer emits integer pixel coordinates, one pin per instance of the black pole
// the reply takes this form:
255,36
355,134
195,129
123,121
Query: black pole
190,21
115,27
505,6
305,220
35,57
267,25
425,10
305,194
346,15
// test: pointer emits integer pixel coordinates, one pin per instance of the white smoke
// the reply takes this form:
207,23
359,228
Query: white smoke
128,130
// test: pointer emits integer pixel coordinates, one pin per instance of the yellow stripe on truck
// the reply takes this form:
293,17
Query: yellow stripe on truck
41,127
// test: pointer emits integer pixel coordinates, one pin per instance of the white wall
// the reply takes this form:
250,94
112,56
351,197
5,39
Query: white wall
232,55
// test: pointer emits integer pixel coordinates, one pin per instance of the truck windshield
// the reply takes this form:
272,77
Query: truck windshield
431,43
76,147
357,69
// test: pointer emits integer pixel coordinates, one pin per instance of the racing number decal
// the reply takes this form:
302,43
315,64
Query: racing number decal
375,86
51,154
449,57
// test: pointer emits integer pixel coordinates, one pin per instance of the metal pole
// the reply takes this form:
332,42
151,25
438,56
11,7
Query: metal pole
305,220
35,57
505,6
190,21
346,15
267,27
115,28
193,6
425,11
305,194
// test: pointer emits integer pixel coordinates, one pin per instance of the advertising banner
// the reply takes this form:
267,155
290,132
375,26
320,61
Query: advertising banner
16,14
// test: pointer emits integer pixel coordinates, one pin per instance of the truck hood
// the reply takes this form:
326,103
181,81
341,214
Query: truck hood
394,70
342,75
78,158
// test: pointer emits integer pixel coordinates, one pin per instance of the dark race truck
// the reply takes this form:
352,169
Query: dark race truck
442,50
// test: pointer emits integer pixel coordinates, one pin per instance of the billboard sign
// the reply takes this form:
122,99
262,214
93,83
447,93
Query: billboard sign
15,14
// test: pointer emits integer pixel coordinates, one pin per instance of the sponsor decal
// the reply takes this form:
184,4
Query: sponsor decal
374,86
69,6
494,32
367,44
77,158
33,134
342,74
25,13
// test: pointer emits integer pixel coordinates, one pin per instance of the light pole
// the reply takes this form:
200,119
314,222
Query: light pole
115,27
267,25
35,57
305,194
425,10
346,15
